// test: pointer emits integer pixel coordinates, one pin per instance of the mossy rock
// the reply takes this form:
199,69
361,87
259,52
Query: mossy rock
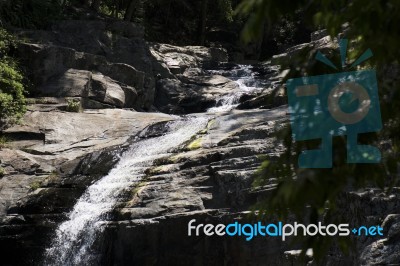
195,144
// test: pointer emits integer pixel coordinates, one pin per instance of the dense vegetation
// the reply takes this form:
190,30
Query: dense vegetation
312,194
180,22
12,100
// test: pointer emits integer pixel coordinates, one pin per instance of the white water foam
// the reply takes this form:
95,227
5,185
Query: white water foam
245,78
73,243
75,237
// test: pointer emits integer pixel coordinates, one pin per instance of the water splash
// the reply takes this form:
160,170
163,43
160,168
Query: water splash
75,237
247,82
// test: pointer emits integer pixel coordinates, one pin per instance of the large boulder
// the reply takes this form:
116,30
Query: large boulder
71,83
64,135
192,94
106,90
96,90
384,251
178,59
115,49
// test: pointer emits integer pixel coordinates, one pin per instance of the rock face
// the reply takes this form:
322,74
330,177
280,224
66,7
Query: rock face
386,250
53,155
107,63
210,183
185,87
191,94
179,59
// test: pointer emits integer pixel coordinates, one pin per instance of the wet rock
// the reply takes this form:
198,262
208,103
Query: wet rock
165,239
192,94
269,98
199,184
56,155
295,55
183,86
81,133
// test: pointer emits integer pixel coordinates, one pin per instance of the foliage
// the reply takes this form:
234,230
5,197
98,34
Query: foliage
35,185
2,172
110,9
73,106
50,179
12,100
313,194
373,23
3,142
178,21
29,13
226,10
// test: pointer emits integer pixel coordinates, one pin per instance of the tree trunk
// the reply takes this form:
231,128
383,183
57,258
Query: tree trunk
130,10
202,22
96,5
116,9
85,3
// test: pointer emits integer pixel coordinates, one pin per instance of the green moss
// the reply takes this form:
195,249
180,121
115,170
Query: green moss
156,170
195,144
196,141
173,159
35,185
209,125
166,160
139,187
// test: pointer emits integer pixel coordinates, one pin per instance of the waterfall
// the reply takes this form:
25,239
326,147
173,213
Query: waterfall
75,237
244,76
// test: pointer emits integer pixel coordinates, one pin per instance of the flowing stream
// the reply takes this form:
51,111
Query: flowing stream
247,82
74,239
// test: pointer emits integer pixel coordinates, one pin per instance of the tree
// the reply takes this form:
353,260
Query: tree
96,5
202,22
135,11
85,3
12,100
313,194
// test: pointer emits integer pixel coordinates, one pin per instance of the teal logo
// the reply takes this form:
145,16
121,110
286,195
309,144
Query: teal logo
345,103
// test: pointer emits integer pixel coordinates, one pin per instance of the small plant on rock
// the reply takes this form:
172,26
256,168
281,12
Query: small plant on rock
2,172
3,142
73,106
35,185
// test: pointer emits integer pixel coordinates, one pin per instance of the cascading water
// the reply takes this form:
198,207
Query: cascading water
75,237
73,243
246,78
